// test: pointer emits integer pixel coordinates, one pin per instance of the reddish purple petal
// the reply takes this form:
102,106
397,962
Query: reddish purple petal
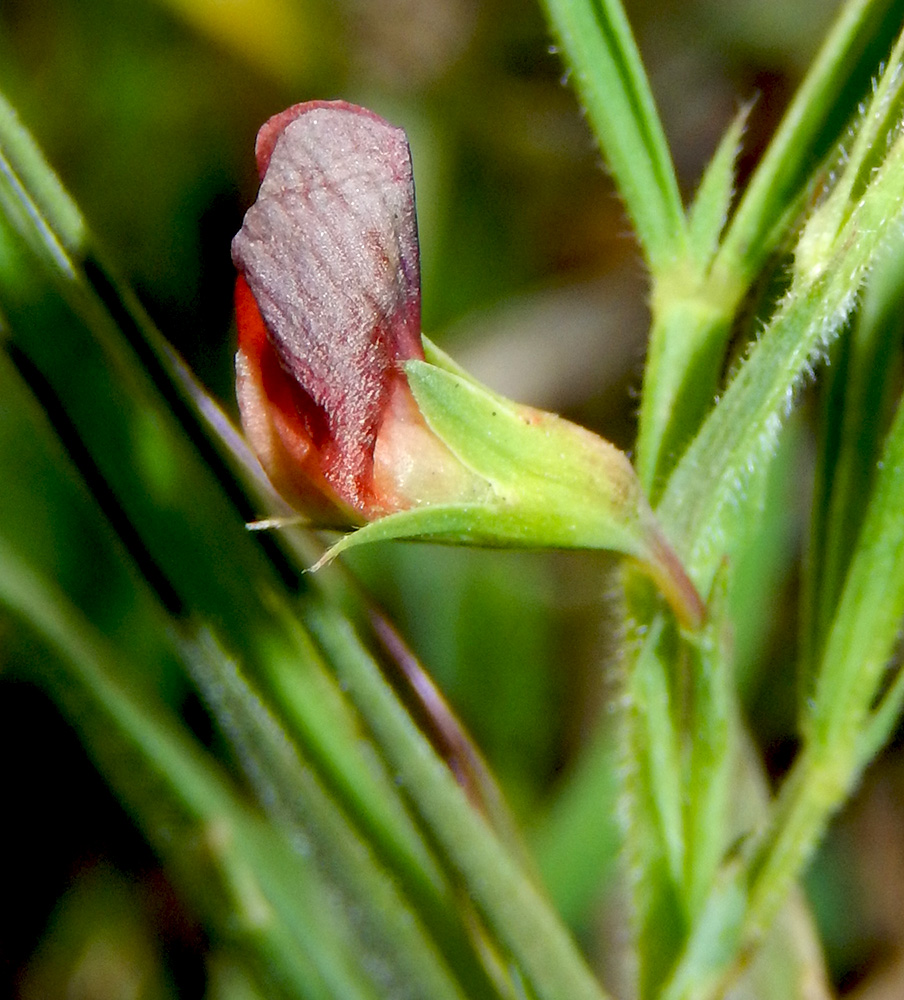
329,251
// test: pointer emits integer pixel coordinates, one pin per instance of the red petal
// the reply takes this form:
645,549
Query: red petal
329,251
282,423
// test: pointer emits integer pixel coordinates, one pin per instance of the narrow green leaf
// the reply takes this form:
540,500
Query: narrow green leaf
710,733
882,721
651,803
609,76
857,652
704,502
877,127
708,212
693,312
871,608
379,905
776,183
23,160
658,743
857,409
406,937
505,896
234,870
713,943
676,726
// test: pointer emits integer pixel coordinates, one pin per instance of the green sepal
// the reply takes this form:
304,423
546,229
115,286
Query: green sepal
552,483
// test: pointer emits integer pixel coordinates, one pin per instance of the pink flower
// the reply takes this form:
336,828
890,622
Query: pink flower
328,310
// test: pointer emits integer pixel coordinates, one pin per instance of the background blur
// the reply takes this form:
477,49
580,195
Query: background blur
148,111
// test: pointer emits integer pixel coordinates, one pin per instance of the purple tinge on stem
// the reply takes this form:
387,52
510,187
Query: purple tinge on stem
328,309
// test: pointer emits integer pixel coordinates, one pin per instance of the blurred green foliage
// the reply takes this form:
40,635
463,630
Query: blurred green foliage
148,112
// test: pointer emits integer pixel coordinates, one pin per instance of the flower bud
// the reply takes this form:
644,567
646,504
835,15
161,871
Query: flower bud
354,416
328,309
